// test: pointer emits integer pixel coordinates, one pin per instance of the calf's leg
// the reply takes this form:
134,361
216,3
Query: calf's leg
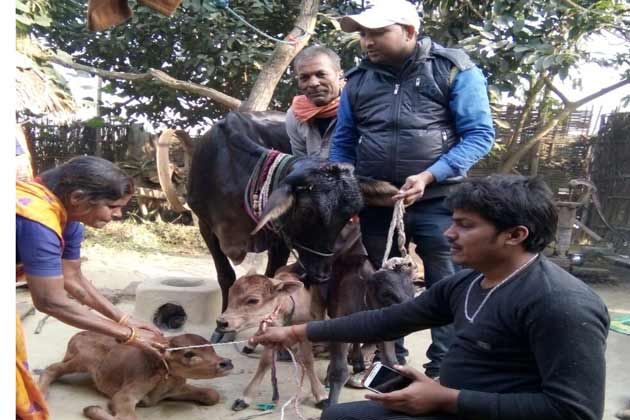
263,366
56,370
317,388
205,396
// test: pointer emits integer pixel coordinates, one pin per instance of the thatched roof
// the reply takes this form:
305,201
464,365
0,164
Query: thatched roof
39,88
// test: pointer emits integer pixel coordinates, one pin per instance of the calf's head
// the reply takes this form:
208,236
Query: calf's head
252,298
311,205
195,363
391,285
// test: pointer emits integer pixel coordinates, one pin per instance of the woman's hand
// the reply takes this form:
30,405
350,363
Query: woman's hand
147,340
143,325
280,337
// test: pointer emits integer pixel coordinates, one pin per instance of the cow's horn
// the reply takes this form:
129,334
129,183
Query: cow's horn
280,202
165,172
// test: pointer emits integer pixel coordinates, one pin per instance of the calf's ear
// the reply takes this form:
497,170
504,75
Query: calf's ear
280,201
377,193
286,287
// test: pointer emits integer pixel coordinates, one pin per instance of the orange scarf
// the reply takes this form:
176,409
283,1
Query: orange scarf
305,110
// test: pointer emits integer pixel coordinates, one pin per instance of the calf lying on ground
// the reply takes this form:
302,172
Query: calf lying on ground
251,299
130,375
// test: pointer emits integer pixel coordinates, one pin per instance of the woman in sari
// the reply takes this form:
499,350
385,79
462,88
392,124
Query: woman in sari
50,214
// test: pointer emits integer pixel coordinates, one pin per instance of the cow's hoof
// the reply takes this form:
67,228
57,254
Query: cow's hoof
323,404
222,337
239,405
283,356
216,337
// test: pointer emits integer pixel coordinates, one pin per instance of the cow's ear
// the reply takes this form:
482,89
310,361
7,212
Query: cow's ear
286,287
377,193
280,201
340,169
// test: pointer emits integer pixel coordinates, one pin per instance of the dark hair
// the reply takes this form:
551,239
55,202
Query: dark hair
314,51
508,201
97,178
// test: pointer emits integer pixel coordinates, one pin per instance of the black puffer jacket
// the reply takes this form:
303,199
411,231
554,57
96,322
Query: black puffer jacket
404,119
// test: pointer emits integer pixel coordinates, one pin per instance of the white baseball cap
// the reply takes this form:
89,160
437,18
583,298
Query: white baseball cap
383,14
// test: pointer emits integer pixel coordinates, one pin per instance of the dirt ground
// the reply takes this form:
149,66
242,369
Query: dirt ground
115,269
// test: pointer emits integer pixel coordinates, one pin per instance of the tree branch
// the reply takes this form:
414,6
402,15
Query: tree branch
574,5
155,76
555,90
569,107
267,80
601,92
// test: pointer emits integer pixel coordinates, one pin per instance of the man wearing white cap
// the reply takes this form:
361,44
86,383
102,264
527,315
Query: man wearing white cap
417,115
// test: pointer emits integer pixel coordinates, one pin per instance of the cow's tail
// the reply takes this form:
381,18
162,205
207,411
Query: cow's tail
164,168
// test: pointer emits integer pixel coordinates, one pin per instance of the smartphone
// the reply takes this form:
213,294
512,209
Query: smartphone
382,379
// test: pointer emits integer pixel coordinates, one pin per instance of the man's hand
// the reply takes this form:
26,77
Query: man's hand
414,187
280,337
423,396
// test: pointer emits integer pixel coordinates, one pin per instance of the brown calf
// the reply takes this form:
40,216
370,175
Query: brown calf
130,375
251,299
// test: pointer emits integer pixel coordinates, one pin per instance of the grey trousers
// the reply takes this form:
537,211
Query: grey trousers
372,410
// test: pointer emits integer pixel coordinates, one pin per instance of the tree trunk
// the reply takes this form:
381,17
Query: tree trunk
532,94
535,162
98,138
268,78
512,160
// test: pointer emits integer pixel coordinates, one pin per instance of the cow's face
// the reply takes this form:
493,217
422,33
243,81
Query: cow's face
195,363
392,285
311,206
251,299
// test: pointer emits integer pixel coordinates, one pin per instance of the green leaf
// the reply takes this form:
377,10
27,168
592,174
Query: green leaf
96,122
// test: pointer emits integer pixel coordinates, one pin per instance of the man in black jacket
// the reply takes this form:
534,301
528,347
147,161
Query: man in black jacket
417,115
529,337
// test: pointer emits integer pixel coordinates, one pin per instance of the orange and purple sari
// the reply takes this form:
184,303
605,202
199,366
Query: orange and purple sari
35,202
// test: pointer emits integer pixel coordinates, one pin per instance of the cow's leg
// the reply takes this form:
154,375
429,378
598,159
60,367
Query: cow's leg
205,396
356,358
263,366
388,353
337,373
225,273
277,256
317,388
56,370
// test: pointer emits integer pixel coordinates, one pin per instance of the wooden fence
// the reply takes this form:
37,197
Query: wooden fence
610,172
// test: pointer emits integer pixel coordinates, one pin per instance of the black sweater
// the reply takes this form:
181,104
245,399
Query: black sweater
534,351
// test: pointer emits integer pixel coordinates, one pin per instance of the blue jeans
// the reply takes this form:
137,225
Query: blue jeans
425,223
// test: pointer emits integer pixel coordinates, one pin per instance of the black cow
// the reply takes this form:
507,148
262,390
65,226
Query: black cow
310,205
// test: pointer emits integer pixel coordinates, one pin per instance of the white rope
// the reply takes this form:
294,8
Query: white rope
398,223
298,382
206,345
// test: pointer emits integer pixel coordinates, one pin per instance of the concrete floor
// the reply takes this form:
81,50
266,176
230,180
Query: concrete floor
68,397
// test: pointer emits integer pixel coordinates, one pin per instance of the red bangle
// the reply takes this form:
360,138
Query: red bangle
294,334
